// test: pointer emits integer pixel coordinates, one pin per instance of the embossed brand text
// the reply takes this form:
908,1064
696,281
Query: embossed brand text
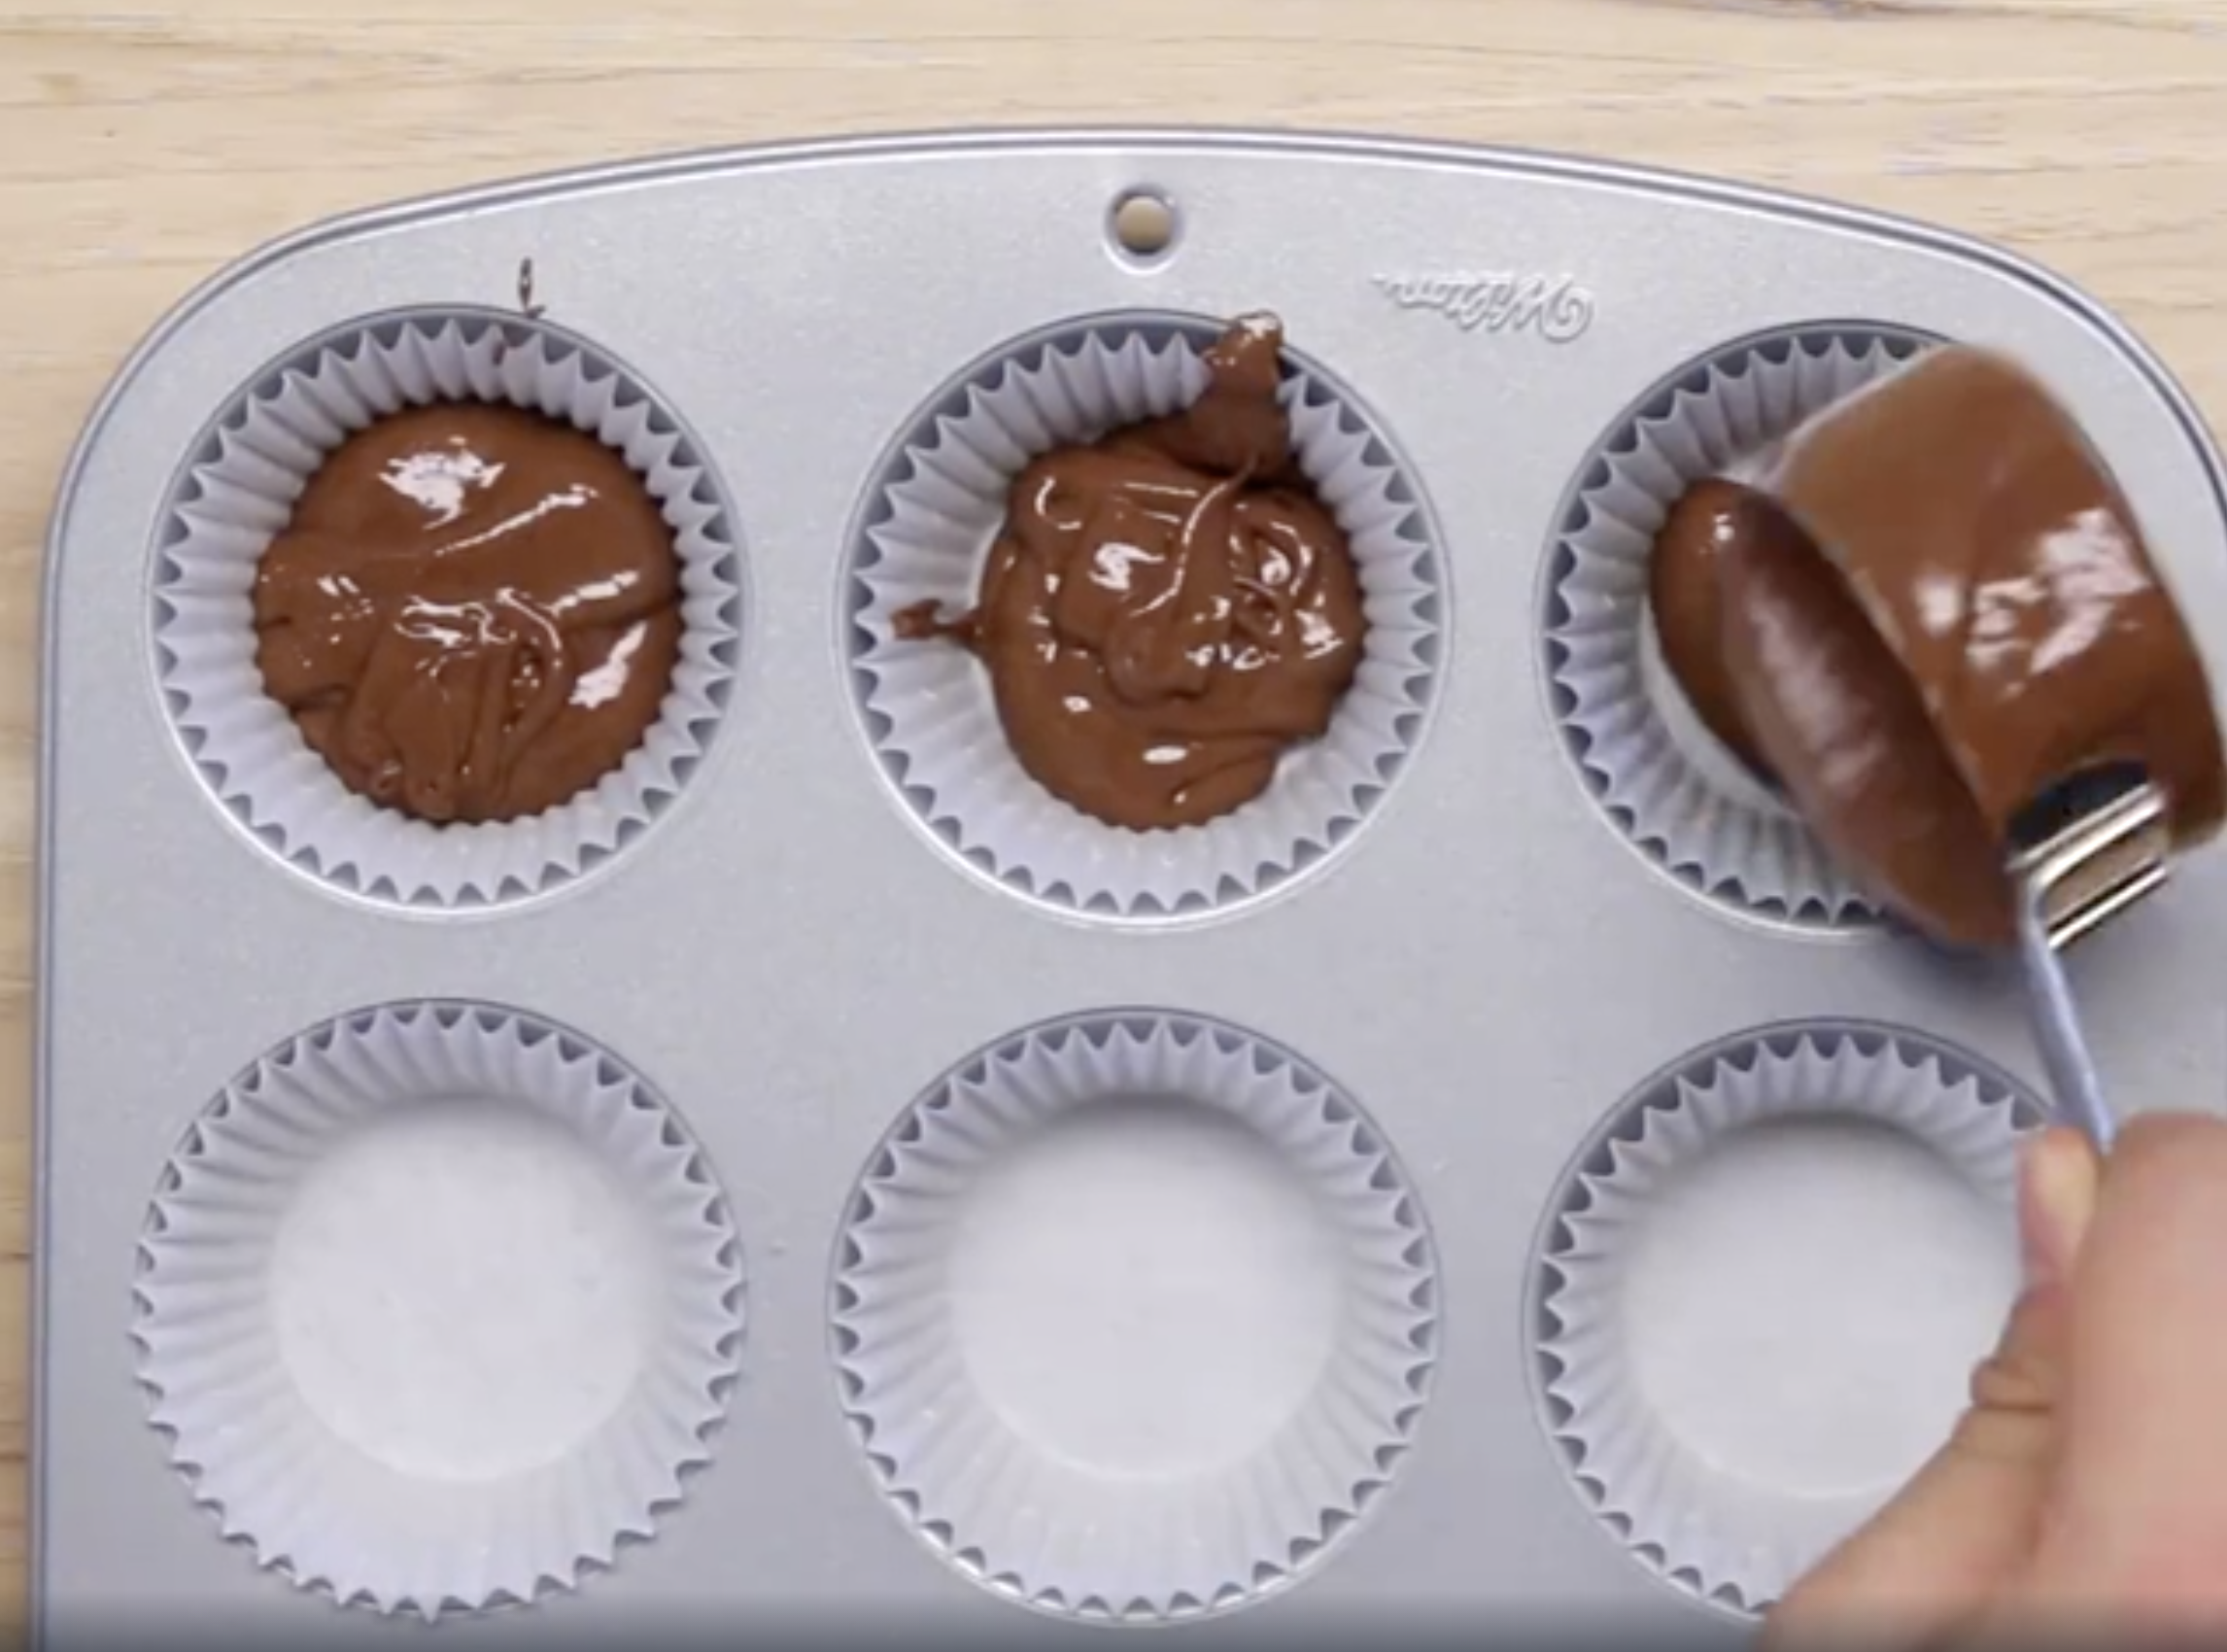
1555,307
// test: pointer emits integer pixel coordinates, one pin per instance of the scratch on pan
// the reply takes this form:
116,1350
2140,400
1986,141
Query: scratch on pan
533,309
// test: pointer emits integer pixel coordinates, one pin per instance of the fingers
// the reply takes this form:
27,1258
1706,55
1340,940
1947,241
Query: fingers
1964,1528
2136,1524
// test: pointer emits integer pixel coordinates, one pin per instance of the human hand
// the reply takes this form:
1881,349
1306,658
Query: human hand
2084,1493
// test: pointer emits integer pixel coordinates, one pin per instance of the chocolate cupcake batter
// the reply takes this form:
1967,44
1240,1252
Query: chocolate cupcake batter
473,613
1682,571
1848,731
1167,610
1983,622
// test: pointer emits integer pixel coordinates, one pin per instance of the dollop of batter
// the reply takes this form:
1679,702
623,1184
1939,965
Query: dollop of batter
473,613
1168,610
1709,518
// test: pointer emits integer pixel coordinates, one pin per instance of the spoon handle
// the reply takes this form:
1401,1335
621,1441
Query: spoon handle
2063,1047
2092,867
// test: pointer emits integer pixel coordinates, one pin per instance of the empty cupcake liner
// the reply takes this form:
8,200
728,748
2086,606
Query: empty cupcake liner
385,1299
927,709
1056,1526
238,492
1664,781
1711,1530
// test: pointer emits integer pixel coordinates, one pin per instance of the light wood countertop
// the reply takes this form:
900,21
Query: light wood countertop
142,147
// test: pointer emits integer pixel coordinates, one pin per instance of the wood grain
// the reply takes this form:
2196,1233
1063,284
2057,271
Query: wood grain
140,148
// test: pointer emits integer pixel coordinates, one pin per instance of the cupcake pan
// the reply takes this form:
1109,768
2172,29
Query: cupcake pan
1414,1021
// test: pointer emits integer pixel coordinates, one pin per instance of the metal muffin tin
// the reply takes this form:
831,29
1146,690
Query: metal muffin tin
1466,988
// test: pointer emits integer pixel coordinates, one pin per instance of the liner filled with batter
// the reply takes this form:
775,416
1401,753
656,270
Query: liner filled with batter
1147,622
461,781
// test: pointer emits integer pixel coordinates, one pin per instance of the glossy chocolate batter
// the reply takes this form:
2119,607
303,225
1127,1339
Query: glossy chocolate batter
1682,595
1167,610
1983,622
1826,698
473,613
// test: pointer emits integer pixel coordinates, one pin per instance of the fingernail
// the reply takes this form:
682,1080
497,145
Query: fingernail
2056,1201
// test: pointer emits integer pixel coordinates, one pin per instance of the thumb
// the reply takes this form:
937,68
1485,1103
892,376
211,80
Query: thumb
1965,1527
2136,1533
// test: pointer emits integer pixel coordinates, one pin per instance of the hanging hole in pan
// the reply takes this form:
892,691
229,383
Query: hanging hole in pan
1141,223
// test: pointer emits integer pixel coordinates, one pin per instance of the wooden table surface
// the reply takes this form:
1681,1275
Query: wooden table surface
142,147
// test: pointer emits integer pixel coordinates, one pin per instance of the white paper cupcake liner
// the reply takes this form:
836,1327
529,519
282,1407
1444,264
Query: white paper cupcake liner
1070,1530
927,709
238,494
1664,781
421,1434
1717,1533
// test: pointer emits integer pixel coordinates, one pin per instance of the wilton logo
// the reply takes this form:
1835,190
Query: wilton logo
1555,307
